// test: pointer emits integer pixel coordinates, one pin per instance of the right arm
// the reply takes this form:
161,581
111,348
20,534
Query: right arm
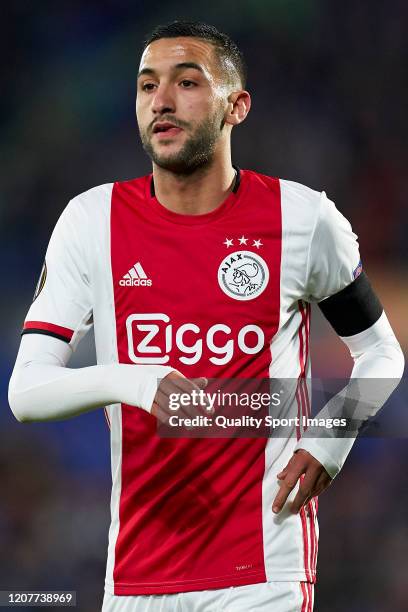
42,388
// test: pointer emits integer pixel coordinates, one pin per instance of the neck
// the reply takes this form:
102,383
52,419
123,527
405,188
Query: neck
197,193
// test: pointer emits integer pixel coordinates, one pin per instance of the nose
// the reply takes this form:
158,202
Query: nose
163,101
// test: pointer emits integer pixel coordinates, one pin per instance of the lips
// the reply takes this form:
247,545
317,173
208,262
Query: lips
165,126
163,130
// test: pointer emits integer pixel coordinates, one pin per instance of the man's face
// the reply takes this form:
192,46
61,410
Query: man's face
180,104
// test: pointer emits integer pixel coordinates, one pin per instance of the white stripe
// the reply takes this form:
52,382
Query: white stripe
132,273
282,533
115,415
140,270
114,410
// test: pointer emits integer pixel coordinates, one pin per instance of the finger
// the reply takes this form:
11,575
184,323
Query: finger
306,490
201,382
283,473
163,401
167,386
159,413
296,462
163,412
172,376
323,482
183,412
286,486
204,405
179,385
321,485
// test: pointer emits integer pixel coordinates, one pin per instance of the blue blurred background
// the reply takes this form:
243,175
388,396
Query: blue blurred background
329,88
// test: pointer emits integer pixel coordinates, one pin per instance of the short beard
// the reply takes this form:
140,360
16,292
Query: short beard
197,152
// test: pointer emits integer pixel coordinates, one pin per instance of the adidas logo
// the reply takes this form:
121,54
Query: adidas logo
136,277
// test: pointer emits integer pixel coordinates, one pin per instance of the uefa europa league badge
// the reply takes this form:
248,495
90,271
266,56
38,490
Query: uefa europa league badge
243,275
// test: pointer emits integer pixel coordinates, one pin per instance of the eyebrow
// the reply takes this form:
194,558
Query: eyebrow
180,66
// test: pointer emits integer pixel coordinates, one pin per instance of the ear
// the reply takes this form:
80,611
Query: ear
239,103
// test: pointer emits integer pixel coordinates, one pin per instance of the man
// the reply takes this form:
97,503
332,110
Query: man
199,270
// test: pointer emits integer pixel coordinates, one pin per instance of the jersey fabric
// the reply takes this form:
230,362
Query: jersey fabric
277,596
223,294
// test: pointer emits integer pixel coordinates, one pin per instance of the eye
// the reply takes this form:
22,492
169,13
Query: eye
148,86
187,84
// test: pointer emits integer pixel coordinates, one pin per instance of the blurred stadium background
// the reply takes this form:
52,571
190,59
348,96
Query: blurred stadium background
328,81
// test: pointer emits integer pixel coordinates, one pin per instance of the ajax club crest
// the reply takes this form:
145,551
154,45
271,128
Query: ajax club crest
243,275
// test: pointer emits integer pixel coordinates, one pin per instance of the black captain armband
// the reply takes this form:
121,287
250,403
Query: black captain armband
353,309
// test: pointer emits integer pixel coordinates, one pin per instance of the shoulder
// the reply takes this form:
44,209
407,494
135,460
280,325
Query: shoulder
91,199
302,196
94,201
83,211
99,193
301,208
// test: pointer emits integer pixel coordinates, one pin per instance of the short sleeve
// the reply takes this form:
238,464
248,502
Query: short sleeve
334,257
62,305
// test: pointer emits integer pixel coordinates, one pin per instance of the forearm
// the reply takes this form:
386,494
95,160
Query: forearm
378,367
43,389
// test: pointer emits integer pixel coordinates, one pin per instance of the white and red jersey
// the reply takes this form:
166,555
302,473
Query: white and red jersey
223,294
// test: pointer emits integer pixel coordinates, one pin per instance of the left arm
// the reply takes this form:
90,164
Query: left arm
377,355
357,316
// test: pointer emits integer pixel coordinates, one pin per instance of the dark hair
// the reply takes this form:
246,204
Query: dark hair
224,45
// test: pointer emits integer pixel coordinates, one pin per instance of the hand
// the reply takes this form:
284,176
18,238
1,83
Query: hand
176,383
315,481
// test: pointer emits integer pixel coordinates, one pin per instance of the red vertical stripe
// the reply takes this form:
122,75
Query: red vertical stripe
308,518
304,328
150,497
313,506
310,591
302,365
305,596
307,335
306,555
299,395
301,411
313,542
